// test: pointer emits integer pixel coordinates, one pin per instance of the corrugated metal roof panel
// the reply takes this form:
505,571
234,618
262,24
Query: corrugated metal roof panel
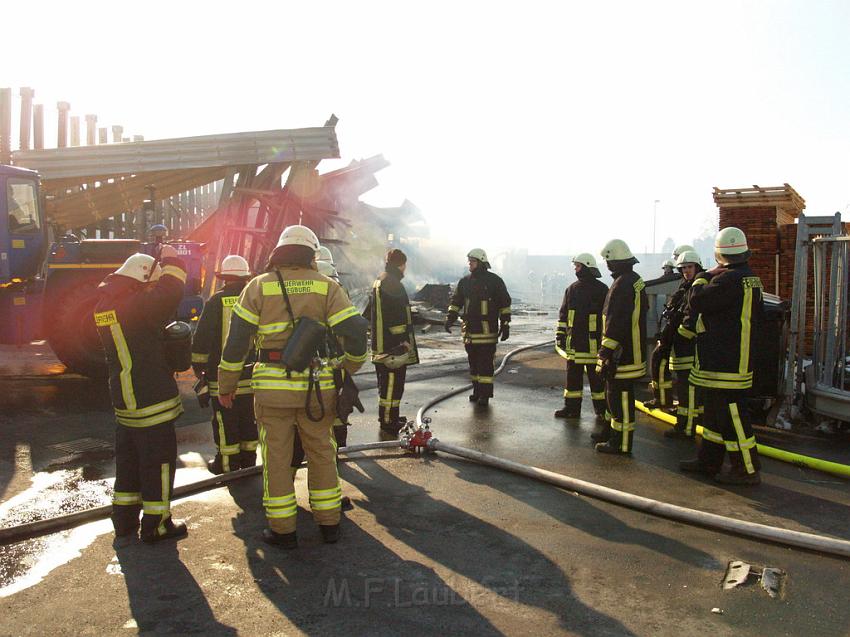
89,163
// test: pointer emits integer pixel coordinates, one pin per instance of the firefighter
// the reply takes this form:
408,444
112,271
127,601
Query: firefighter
682,349
578,336
393,339
622,355
135,303
483,302
234,430
326,267
728,300
668,268
285,310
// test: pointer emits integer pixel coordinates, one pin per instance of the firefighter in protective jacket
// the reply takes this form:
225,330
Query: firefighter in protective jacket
682,349
484,305
729,306
135,304
579,334
273,308
622,356
393,339
234,430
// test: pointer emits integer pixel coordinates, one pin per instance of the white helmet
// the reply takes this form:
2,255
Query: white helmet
234,266
298,236
688,256
478,253
585,258
680,249
328,269
617,250
730,246
141,267
669,263
324,254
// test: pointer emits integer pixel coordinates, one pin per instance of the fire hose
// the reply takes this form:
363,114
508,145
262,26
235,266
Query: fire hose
798,539
800,460
417,436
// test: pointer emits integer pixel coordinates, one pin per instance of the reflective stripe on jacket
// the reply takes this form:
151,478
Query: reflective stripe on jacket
624,324
580,317
211,335
129,317
261,312
729,308
389,310
483,303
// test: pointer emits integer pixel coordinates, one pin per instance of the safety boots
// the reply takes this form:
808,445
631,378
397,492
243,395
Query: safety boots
330,533
283,540
566,412
216,467
165,531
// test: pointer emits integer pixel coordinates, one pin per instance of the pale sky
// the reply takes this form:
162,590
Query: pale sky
547,125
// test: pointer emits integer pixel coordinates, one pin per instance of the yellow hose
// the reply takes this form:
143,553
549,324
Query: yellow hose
800,460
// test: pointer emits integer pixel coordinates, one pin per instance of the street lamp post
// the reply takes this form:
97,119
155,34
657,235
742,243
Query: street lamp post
654,213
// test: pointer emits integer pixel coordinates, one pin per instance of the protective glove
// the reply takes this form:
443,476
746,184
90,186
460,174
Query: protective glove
504,331
561,341
348,399
451,317
606,363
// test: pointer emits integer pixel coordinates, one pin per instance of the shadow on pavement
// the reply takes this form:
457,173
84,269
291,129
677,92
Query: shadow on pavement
164,597
502,563
358,586
578,512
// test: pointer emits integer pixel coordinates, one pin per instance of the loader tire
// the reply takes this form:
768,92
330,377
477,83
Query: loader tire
71,332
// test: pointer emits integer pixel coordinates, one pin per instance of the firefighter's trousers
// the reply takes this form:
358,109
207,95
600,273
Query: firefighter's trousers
689,410
340,436
390,391
145,459
575,386
277,427
726,427
481,368
620,396
661,383
235,433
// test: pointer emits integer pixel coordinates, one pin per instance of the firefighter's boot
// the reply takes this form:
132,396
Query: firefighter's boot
217,466
283,540
330,533
166,531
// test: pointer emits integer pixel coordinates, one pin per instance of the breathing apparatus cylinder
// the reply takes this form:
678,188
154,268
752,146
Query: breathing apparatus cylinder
177,345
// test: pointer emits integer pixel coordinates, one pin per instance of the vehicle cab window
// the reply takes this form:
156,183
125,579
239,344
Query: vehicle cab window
23,207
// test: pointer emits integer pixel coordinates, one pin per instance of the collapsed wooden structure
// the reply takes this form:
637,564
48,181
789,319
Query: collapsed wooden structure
235,192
